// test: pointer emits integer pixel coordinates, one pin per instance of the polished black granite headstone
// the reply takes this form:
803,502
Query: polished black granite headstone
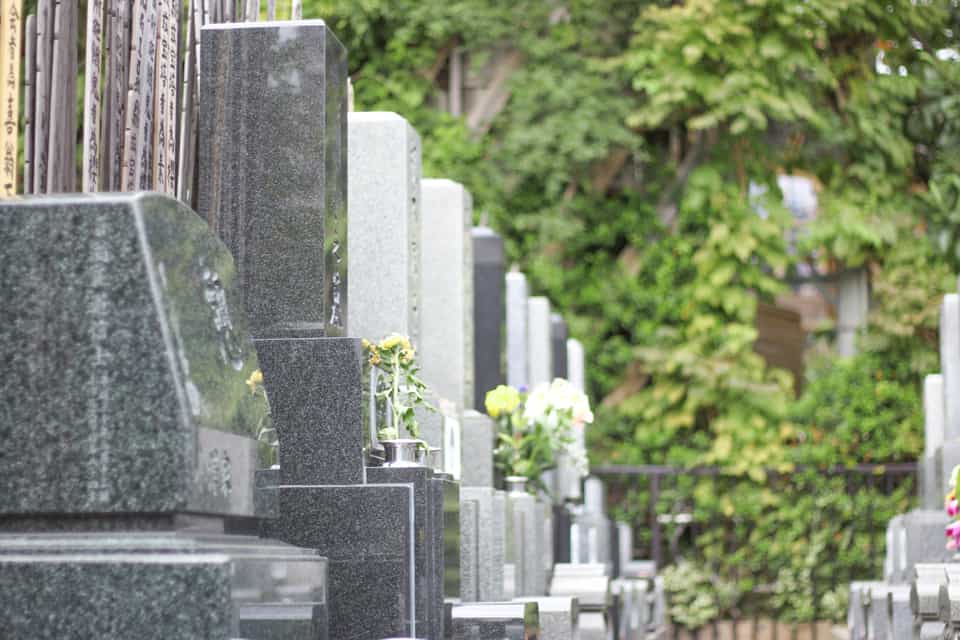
558,345
122,326
488,312
273,169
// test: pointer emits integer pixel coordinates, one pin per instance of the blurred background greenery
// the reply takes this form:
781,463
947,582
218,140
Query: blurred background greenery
633,155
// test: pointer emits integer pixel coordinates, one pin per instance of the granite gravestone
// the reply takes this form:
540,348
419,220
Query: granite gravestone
281,208
575,371
275,192
518,374
932,484
950,364
128,354
384,234
271,187
446,316
539,346
488,312
558,345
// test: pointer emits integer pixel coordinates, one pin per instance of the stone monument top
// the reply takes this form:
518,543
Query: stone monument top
127,355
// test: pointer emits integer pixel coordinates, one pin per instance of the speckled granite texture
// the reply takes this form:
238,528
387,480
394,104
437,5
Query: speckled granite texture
315,388
427,576
273,169
125,354
142,597
365,532
277,586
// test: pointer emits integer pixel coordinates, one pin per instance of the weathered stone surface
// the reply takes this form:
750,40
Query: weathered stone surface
273,169
123,327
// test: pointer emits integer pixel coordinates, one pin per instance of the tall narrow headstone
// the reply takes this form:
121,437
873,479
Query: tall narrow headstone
274,189
932,482
446,315
933,413
273,169
518,374
575,372
558,345
539,346
950,364
488,315
384,234
273,163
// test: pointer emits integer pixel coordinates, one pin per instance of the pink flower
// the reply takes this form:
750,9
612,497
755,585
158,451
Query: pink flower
952,508
952,544
953,530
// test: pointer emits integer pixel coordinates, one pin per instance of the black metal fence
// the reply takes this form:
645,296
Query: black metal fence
674,511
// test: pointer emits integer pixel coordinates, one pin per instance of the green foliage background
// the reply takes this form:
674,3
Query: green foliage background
659,268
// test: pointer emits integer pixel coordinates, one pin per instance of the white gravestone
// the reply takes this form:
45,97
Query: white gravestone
446,311
384,233
538,341
950,364
517,372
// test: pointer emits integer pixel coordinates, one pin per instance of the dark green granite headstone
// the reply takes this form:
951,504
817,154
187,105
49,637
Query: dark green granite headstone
125,356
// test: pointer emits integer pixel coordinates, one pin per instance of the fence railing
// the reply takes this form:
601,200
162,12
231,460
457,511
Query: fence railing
665,505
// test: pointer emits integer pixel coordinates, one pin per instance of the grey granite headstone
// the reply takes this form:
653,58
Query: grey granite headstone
273,169
575,371
932,483
518,373
950,364
933,413
434,535
494,590
924,538
488,315
320,432
470,562
368,533
128,353
558,345
123,328
446,314
477,443
539,347
74,596
486,546
384,234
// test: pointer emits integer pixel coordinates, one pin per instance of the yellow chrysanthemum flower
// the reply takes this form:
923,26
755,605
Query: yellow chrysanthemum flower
255,380
503,400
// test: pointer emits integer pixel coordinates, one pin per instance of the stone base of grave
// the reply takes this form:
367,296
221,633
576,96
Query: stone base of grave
159,585
367,533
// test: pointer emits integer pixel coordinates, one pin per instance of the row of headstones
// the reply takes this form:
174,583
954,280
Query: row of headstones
915,539
132,506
